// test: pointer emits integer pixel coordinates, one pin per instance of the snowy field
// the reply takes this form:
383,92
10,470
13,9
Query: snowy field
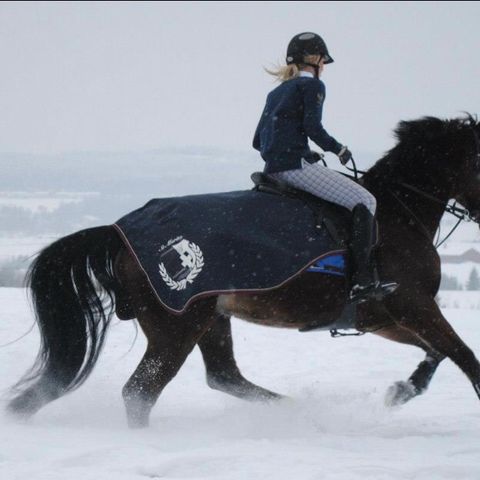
334,426
41,201
11,246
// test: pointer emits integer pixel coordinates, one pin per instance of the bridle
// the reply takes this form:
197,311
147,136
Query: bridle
461,213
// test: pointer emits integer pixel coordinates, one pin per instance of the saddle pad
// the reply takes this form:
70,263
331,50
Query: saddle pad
202,245
330,264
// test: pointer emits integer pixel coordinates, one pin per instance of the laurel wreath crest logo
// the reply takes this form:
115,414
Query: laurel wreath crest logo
197,268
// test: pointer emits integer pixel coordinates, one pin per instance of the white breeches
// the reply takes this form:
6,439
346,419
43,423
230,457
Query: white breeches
329,185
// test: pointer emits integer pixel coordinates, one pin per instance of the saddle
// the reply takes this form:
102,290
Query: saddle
326,214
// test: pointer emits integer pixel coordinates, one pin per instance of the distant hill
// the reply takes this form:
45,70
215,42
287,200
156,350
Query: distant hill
159,172
123,181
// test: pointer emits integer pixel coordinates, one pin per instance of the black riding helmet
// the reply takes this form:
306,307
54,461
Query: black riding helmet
307,43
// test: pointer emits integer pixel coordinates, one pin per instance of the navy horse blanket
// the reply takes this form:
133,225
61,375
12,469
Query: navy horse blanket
243,241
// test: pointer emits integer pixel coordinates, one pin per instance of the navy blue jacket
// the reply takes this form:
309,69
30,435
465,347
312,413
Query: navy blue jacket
292,114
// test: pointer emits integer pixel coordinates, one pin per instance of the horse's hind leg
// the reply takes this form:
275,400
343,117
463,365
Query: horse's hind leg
170,339
223,374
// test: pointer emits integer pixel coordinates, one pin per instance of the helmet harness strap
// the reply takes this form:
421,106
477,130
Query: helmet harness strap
315,66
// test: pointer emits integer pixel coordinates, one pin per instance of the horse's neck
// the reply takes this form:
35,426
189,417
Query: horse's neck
397,201
430,214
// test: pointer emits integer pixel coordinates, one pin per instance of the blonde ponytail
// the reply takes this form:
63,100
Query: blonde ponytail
282,73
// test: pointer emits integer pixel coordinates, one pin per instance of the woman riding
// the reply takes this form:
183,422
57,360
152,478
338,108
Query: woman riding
292,115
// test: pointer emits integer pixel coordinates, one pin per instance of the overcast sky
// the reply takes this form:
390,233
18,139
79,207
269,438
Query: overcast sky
135,76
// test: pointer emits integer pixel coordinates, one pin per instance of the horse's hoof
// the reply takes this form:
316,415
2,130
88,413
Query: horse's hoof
400,393
135,425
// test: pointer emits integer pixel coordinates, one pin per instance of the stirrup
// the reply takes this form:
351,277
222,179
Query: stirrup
375,291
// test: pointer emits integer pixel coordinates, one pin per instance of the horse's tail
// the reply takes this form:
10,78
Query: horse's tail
72,287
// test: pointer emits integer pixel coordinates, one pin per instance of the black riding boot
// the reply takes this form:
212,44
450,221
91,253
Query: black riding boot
365,283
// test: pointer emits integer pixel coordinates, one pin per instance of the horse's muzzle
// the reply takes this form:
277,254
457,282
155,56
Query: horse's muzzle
475,216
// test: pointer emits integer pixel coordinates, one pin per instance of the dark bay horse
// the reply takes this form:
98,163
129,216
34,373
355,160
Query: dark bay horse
79,281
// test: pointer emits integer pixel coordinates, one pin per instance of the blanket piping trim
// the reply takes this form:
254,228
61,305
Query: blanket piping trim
211,293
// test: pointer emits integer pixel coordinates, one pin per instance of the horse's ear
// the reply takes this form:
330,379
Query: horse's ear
470,119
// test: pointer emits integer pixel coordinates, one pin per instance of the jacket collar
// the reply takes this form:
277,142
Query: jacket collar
303,73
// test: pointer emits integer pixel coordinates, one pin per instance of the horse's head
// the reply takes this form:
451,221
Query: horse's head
468,193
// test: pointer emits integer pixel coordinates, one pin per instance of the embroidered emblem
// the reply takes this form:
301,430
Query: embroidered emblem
320,98
182,257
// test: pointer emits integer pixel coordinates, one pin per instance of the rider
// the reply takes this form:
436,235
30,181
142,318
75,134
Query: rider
292,115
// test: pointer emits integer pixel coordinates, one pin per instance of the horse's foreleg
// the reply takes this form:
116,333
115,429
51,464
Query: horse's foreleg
403,391
223,374
424,320
423,374
170,340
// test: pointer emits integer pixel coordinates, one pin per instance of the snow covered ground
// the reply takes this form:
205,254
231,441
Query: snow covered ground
334,426
11,246
41,201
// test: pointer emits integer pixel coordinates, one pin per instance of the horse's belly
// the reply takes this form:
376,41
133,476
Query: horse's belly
259,310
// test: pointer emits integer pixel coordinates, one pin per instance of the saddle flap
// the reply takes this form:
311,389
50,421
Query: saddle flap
267,184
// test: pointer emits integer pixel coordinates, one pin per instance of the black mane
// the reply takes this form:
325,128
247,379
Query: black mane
424,146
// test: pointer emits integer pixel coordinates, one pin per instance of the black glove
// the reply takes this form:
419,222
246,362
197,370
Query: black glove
344,155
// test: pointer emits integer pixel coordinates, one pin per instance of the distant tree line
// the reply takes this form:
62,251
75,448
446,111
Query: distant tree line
473,282
16,220
12,271
450,282
68,217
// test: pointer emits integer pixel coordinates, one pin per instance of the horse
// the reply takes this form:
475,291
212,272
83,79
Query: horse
78,282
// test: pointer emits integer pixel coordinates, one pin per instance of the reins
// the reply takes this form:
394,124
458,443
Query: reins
459,212
355,170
